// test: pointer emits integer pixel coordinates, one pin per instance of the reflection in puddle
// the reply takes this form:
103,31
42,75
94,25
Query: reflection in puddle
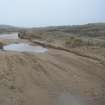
9,36
23,47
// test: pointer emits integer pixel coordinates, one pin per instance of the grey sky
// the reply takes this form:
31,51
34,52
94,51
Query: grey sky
51,12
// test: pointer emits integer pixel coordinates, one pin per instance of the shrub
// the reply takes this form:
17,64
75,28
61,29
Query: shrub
74,42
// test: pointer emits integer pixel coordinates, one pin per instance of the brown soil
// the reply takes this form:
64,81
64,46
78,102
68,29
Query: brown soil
52,78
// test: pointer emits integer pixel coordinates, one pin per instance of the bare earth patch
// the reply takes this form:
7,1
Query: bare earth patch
52,78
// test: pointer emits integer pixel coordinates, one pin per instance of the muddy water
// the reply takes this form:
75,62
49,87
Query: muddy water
9,36
20,47
24,47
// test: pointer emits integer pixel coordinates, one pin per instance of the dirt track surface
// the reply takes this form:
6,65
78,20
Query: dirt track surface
52,78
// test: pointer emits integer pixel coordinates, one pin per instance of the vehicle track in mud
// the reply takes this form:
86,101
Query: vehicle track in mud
30,79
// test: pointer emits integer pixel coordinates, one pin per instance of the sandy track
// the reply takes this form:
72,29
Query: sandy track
52,78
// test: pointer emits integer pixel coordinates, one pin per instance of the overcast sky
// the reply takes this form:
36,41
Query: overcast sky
51,12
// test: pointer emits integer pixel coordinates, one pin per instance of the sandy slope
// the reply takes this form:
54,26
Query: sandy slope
52,78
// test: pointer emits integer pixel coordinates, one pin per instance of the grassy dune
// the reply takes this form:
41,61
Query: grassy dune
86,39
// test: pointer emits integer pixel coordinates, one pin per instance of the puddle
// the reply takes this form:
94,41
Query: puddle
9,36
24,47
20,47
